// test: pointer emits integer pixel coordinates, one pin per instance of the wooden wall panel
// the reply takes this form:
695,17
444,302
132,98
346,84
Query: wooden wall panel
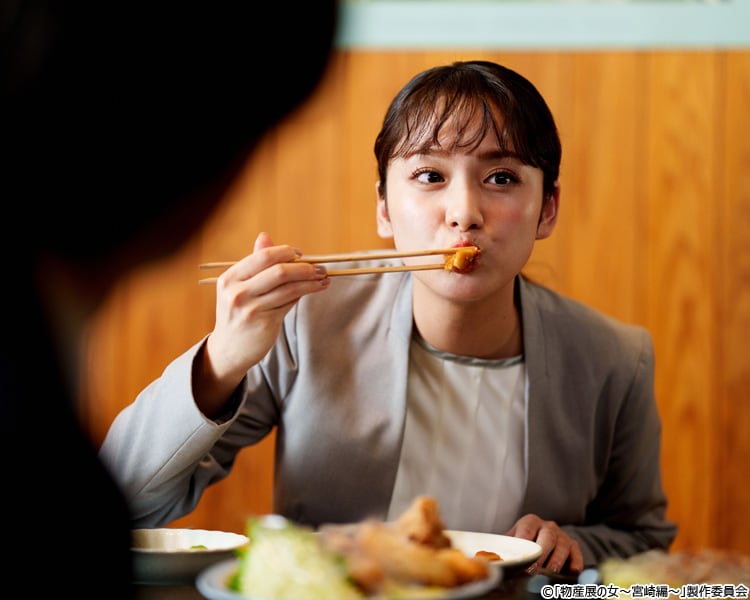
732,316
679,174
599,199
654,229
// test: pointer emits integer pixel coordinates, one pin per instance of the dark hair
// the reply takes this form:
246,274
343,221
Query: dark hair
459,92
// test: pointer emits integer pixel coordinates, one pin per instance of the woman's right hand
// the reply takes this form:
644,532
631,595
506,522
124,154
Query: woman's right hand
252,298
560,552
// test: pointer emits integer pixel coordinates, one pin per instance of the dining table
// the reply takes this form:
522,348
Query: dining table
702,572
518,585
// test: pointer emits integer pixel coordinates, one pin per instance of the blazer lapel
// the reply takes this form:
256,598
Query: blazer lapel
539,388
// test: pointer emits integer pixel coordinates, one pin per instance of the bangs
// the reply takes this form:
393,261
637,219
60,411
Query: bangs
451,122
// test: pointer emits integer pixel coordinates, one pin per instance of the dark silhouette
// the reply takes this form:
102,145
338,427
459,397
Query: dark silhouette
122,123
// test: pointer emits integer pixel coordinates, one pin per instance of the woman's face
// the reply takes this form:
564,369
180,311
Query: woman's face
478,196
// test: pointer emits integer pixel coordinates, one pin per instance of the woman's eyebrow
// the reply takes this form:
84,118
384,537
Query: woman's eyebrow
434,150
499,154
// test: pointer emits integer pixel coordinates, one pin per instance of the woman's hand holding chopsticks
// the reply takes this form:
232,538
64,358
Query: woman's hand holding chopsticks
253,296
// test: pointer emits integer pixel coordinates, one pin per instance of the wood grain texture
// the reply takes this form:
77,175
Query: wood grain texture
732,316
654,229
680,177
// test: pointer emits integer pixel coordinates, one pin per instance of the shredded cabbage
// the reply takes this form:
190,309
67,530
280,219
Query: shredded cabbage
284,560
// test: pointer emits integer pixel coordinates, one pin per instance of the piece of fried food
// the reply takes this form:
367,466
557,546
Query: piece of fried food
461,259
409,563
421,523
411,551
488,555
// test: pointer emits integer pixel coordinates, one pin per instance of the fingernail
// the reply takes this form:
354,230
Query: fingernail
320,270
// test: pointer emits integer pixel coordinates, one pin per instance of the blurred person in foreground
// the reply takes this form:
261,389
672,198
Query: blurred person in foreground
123,122
522,412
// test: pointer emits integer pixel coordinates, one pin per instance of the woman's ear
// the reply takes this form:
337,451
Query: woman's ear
548,216
385,230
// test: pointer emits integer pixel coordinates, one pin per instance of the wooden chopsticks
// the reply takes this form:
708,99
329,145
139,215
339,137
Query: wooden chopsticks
362,256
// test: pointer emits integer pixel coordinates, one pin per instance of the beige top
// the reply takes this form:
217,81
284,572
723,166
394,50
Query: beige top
464,438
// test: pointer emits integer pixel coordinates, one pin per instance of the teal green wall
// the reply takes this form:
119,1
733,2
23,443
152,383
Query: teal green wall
535,24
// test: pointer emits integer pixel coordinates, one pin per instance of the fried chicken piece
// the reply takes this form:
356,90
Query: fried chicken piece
461,259
422,523
487,555
412,550
406,562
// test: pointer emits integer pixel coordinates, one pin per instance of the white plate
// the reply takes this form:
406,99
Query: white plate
515,553
212,583
175,556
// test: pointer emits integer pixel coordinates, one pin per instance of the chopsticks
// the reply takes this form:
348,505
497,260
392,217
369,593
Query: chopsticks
332,258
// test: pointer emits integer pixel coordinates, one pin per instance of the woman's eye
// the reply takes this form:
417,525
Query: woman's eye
502,178
428,176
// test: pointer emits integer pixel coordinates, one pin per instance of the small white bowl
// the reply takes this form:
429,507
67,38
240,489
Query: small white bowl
169,556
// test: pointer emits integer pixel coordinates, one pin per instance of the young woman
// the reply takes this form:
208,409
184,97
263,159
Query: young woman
521,411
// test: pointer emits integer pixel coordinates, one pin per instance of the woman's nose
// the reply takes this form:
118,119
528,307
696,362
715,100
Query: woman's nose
463,210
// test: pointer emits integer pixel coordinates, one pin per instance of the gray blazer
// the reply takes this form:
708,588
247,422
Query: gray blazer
334,385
